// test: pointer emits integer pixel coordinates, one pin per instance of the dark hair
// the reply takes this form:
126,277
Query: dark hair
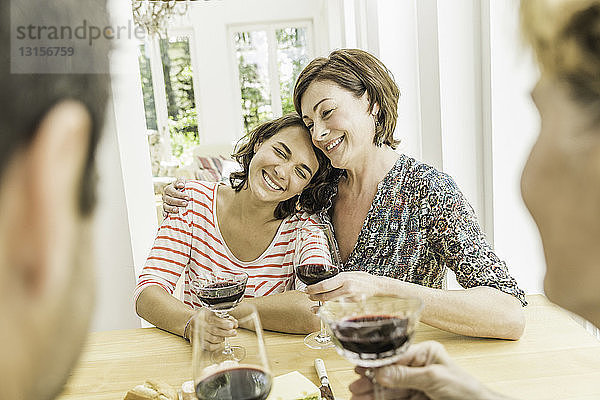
358,72
26,98
315,197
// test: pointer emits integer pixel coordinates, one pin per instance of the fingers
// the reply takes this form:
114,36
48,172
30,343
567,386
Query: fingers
179,183
343,284
361,386
400,376
422,354
222,323
217,329
327,289
174,196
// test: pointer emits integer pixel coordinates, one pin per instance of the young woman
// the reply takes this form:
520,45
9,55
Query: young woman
560,185
400,224
247,226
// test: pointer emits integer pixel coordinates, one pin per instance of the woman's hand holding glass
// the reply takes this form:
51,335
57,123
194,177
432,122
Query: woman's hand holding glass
346,284
316,259
217,330
221,292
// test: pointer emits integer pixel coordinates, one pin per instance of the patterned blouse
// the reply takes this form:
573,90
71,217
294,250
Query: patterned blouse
418,225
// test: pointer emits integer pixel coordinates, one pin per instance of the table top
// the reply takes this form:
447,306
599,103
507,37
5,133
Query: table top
555,359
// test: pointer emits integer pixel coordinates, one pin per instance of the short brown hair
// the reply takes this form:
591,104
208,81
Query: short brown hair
565,36
26,98
315,197
358,72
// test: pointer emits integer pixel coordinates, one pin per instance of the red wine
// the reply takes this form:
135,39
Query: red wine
315,273
221,295
372,337
235,384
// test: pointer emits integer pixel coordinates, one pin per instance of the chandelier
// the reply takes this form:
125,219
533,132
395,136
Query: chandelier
154,16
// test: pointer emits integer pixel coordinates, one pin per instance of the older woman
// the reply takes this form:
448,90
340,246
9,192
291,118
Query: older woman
399,223
560,186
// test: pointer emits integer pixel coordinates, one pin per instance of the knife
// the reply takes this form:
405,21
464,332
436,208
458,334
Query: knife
325,389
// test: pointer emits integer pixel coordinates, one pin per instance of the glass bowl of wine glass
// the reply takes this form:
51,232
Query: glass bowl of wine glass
230,379
372,331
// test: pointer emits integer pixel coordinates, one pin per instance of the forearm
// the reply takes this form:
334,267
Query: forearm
480,311
163,310
288,312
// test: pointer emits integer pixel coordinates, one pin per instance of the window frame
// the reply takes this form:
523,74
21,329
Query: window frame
274,80
159,90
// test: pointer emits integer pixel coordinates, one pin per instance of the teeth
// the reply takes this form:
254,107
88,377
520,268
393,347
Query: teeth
334,143
271,184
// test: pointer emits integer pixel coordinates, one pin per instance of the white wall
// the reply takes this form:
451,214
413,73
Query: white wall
398,50
515,124
465,77
125,219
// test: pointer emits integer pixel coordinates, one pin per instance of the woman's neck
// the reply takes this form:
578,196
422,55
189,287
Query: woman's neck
242,206
371,169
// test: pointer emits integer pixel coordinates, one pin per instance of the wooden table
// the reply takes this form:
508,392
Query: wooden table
555,359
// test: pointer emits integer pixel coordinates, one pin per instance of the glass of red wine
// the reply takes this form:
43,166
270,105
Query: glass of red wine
316,259
372,331
249,379
220,292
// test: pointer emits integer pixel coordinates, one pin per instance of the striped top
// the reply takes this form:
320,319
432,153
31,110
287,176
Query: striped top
190,242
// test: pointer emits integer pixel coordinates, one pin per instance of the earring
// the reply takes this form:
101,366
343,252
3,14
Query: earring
298,205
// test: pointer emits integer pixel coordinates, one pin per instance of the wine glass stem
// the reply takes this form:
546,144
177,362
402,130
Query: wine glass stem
227,348
323,334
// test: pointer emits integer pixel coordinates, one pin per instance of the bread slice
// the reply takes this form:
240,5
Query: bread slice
152,390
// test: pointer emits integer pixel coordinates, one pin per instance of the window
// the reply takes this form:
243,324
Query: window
269,59
169,102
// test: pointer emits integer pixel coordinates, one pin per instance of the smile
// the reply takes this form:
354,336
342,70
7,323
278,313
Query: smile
270,182
334,143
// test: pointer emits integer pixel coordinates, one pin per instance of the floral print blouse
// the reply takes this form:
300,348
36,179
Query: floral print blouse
418,225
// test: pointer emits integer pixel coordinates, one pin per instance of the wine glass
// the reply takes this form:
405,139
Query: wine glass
230,379
372,331
316,258
220,292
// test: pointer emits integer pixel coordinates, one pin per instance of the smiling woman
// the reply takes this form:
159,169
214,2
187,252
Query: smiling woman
400,224
248,226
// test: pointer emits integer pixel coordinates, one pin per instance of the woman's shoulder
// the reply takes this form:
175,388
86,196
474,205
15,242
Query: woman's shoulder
201,191
420,178
302,218
200,186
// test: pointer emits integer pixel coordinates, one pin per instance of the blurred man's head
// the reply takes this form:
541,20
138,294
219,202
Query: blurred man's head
561,181
49,128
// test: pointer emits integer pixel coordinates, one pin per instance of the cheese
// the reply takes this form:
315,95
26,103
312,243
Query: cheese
293,386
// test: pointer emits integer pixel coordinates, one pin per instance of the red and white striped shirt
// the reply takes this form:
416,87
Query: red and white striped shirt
191,241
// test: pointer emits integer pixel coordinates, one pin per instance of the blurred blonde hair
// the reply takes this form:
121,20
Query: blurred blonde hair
565,35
